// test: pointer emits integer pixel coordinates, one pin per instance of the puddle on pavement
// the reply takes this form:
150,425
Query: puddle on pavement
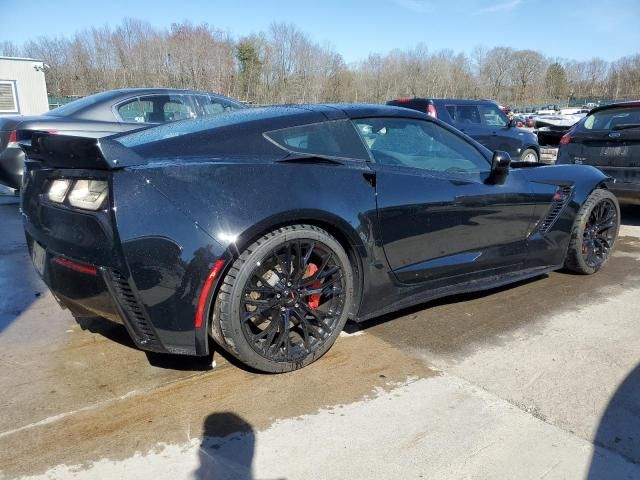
458,325
174,413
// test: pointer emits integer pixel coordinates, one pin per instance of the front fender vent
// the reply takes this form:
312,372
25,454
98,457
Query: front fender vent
560,200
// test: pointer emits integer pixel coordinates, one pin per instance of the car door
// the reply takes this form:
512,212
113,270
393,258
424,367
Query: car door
440,220
497,134
466,118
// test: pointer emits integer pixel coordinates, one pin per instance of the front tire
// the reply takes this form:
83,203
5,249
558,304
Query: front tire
285,300
529,155
594,233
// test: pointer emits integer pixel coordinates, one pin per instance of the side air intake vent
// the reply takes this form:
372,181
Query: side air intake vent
560,200
132,308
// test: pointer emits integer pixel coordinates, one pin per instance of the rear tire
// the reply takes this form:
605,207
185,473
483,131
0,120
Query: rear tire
285,300
529,155
594,233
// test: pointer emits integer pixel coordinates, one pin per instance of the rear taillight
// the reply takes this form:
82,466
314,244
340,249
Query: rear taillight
566,139
76,266
431,111
13,139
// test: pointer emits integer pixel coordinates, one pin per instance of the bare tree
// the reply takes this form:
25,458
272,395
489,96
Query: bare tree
285,65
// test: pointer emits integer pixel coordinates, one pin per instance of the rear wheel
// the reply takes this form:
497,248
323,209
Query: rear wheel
594,233
285,299
529,155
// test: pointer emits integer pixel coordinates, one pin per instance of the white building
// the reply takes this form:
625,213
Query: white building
22,87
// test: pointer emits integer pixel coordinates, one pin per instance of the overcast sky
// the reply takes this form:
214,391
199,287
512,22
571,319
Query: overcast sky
578,29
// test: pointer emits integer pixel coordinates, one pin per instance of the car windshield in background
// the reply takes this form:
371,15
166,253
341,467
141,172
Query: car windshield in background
71,108
493,116
612,119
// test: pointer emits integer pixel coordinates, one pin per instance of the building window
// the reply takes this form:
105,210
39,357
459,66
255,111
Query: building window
8,97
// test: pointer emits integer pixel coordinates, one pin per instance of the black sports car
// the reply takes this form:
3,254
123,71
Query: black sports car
267,228
104,114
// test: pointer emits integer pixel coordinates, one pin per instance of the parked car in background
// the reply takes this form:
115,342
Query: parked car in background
106,113
609,139
281,227
482,120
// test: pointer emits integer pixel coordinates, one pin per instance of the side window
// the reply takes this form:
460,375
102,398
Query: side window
467,114
333,139
176,107
135,111
210,105
451,110
419,144
493,116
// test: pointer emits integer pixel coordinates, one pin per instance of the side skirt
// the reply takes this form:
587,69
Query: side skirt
487,283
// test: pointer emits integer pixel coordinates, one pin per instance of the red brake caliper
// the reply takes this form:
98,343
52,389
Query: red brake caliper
314,300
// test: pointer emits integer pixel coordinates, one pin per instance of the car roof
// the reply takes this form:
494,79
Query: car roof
450,101
336,111
360,110
611,106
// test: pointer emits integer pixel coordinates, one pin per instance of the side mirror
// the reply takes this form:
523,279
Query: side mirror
499,167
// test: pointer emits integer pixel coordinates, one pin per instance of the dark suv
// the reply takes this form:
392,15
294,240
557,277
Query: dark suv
482,120
609,139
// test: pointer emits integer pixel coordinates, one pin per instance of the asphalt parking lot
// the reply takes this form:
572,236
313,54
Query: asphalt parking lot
537,380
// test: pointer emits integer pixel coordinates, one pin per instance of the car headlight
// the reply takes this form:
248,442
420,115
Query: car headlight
58,190
88,194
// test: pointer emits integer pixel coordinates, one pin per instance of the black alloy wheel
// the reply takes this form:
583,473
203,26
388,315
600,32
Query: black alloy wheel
594,233
293,300
599,233
285,299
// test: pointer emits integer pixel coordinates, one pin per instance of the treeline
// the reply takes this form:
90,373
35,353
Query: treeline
285,65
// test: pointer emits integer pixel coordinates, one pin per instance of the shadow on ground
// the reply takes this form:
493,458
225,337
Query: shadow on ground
19,281
619,428
227,448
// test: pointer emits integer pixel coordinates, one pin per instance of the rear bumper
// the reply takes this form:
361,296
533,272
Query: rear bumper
105,293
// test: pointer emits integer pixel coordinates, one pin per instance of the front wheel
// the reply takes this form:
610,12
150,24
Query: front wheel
529,155
594,233
285,300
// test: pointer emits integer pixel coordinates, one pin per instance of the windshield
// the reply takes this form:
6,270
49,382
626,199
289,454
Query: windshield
612,119
77,105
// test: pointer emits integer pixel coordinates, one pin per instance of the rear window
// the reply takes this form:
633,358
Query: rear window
419,105
466,114
77,105
211,105
333,139
610,119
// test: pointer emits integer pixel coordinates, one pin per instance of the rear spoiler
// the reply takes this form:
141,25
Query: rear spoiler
66,151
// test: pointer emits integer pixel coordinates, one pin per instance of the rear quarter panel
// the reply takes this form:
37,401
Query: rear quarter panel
237,202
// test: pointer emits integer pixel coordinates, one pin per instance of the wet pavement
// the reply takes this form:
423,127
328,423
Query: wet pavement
537,379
